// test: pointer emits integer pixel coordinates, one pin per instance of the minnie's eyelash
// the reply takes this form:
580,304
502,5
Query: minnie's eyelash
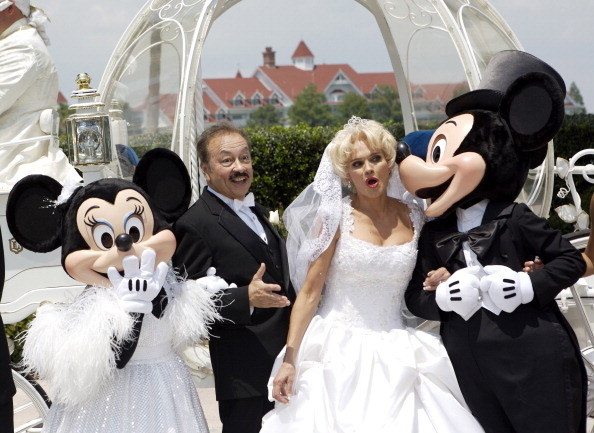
91,221
138,209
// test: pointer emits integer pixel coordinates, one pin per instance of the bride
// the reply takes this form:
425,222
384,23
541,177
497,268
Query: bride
355,366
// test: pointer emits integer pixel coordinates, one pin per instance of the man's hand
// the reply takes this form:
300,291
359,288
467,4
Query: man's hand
262,294
460,293
141,282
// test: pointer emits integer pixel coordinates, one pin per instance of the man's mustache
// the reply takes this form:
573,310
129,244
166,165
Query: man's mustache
236,175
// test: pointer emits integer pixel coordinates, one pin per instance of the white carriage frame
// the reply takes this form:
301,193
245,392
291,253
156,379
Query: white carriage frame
188,22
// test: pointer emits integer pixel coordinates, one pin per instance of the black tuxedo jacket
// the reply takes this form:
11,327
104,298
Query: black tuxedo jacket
518,339
243,346
521,236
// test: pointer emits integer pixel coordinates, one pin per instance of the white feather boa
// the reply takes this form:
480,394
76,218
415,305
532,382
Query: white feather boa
73,346
190,313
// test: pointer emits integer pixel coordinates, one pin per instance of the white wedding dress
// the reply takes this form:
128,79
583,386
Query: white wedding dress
359,369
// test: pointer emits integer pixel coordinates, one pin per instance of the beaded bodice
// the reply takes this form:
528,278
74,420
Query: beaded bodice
366,282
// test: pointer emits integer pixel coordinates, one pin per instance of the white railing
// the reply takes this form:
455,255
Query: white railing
573,213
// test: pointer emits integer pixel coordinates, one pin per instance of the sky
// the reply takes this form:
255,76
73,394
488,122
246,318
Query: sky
84,34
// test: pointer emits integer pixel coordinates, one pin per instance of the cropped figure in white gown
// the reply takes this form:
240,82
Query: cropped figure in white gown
354,366
28,86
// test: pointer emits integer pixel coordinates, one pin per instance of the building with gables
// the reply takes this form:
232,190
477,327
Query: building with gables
237,97
278,85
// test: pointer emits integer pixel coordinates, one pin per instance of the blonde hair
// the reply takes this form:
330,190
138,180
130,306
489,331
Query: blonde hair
372,133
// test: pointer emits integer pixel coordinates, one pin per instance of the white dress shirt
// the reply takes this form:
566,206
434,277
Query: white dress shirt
467,220
246,215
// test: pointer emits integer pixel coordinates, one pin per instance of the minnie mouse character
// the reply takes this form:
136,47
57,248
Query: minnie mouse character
515,356
110,356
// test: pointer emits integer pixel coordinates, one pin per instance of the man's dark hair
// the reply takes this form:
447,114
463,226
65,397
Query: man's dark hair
215,131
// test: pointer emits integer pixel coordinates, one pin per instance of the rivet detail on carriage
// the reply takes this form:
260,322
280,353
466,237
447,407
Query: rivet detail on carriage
14,246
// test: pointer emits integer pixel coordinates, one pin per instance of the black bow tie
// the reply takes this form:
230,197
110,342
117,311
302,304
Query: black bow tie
480,239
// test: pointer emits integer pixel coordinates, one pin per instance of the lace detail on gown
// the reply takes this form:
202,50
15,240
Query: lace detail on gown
373,302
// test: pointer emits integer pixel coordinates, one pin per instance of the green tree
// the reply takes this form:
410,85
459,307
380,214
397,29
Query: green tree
385,104
266,115
576,95
310,108
353,105
63,112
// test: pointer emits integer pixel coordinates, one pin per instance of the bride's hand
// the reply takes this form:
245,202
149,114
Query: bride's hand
434,278
282,387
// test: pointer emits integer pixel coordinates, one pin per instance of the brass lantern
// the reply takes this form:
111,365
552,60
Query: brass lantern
88,126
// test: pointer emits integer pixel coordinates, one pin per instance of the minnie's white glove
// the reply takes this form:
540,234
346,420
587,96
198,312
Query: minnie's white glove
140,283
460,293
507,289
213,283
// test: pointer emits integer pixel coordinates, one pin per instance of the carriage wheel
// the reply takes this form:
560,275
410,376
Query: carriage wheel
31,404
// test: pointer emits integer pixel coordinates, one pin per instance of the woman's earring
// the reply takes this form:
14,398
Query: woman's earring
349,185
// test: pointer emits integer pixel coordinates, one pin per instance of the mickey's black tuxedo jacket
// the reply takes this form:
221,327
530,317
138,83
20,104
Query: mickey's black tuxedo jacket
242,346
505,347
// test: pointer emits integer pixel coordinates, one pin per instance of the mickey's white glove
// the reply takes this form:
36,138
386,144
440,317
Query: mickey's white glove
460,293
140,284
507,289
213,283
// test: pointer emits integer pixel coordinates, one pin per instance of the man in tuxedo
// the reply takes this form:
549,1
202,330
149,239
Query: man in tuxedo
7,389
227,230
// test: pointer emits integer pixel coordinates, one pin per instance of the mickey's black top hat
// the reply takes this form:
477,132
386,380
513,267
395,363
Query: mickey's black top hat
503,69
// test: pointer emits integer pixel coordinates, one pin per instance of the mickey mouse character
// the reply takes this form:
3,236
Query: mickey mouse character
515,356
110,356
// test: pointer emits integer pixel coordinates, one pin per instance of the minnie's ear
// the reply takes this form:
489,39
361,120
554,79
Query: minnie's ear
32,218
533,108
164,177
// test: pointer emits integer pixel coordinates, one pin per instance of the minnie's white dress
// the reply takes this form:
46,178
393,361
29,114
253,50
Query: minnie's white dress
69,346
359,369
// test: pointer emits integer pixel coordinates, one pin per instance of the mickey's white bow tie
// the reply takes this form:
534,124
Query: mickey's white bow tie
247,202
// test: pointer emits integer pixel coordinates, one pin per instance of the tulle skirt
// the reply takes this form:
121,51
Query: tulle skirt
360,381
146,396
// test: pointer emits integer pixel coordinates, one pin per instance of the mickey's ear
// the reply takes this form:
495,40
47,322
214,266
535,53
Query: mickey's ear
164,177
533,108
32,218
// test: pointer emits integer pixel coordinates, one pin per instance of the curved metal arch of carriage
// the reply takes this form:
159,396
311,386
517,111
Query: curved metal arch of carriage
154,72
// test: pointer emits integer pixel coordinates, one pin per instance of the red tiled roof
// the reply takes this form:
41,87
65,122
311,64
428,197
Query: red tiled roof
442,91
367,81
302,50
227,88
439,91
209,105
167,105
292,80
61,98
